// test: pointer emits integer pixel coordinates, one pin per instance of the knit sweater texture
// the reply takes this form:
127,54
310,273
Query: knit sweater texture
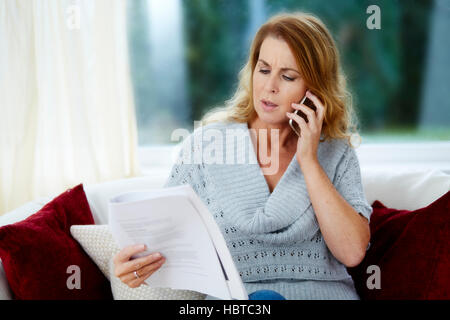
274,237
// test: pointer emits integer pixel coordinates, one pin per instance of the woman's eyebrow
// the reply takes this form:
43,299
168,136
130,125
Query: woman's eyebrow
283,69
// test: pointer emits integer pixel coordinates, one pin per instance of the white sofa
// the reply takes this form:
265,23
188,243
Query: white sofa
400,188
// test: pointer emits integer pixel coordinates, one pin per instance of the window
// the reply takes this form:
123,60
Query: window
186,55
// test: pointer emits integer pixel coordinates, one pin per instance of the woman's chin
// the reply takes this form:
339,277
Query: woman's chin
274,119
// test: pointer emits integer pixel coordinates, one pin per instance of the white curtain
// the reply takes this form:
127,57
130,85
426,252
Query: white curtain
66,107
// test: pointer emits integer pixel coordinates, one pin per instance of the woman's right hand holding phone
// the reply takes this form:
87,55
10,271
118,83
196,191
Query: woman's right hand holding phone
133,272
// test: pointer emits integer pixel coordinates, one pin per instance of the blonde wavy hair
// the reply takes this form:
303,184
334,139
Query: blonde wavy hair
319,64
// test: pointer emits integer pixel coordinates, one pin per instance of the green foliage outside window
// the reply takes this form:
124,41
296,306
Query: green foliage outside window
385,68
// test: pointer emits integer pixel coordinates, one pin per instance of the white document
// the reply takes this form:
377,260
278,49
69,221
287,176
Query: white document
176,223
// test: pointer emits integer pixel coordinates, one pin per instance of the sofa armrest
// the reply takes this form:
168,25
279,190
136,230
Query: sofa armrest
5,291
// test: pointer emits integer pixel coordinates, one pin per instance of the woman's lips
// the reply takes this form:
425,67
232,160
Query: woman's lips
268,106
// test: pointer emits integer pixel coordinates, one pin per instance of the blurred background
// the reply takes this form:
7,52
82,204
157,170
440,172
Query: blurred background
185,57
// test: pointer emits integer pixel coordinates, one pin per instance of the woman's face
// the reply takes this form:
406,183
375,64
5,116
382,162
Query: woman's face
277,82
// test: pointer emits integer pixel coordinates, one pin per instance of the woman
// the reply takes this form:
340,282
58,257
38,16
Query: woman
295,231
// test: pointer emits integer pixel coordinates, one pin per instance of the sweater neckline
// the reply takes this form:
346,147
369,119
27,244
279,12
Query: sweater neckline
253,155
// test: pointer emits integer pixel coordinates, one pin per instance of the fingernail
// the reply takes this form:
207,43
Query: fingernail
140,246
288,114
157,255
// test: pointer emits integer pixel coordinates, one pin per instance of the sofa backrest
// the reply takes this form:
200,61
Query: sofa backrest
404,188
400,189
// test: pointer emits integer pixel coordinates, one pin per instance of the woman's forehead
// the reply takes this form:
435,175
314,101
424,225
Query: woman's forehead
275,52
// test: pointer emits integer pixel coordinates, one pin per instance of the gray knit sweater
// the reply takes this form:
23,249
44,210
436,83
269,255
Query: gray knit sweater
274,238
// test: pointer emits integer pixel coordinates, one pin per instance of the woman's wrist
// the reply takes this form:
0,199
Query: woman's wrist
308,164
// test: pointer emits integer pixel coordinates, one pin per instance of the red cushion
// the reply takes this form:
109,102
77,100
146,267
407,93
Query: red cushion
37,252
412,250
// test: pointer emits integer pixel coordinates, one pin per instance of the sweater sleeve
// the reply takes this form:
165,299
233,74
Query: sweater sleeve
185,170
349,184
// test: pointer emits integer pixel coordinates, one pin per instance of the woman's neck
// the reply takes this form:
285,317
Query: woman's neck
287,139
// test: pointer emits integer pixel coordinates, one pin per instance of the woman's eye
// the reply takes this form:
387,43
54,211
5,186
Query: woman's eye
288,79
264,71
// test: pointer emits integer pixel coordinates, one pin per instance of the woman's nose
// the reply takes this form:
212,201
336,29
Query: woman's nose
272,84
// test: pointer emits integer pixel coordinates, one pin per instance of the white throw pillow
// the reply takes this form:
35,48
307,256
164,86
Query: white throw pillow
99,244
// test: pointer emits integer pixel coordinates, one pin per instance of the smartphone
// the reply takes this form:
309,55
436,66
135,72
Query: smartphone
294,125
